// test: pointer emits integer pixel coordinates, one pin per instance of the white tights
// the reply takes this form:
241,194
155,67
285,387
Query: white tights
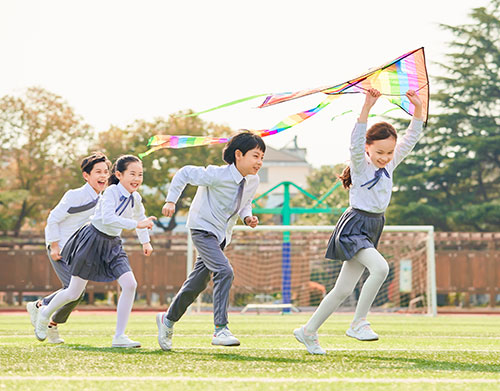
346,282
76,287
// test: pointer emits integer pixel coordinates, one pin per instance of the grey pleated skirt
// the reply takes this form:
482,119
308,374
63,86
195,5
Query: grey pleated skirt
355,230
93,255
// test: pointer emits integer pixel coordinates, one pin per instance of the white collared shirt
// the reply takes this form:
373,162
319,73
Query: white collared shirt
215,199
61,224
107,220
376,199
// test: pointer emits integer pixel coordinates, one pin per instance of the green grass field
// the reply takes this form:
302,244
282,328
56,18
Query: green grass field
414,353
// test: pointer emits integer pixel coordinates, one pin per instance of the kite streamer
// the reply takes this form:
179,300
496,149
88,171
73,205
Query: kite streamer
393,80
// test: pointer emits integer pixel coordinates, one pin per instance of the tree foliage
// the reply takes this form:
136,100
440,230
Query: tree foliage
452,179
40,138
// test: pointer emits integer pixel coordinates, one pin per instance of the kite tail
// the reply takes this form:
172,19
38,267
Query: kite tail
234,102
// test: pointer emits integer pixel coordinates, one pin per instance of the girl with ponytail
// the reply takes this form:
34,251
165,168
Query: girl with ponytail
374,156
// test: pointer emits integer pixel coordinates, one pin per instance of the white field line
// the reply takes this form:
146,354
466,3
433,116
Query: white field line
406,337
249,379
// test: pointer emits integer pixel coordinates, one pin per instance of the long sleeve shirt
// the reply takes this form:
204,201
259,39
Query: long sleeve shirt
73,211
214,204
110,217
376,199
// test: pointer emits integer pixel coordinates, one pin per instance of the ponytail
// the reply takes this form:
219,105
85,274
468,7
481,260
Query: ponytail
121,165
345,177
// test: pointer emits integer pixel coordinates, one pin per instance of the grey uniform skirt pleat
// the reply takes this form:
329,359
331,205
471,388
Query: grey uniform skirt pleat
355,230
93,255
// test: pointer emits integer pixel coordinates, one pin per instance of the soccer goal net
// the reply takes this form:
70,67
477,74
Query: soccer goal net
284,267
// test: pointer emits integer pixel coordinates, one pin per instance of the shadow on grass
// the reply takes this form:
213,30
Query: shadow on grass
238,357
436,365
233,355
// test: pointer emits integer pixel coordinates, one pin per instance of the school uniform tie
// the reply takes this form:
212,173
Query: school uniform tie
83,208
124,201
238,198
376,178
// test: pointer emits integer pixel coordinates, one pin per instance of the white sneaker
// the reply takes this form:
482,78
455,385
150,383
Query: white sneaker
53,335
41,327
122,341
33,311
362,332
225,338
310,341
164,333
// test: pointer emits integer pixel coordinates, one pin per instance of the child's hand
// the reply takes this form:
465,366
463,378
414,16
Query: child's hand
146,223
168,209
147,249
371,97
55,251
252,221
414,98
417,102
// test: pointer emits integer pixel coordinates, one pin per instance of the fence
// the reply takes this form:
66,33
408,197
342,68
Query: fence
467,265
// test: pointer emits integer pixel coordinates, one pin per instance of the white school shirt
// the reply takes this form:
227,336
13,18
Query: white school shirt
61,224
376,199
215,200
107,220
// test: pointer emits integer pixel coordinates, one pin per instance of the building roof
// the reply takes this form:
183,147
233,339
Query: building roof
282,155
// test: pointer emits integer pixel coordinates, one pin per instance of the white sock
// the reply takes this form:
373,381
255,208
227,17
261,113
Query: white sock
125,302
71,293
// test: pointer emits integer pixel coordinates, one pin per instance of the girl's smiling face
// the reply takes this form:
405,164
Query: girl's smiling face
381,152
131,178
98,177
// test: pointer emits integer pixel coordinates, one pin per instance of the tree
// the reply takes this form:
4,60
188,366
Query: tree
40,137
319,182
160,167
452,179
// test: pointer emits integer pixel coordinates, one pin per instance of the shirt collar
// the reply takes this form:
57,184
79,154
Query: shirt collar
124,192
235,173
90,191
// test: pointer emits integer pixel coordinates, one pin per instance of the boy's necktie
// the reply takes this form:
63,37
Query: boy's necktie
238,198
83,208
376,178
124,201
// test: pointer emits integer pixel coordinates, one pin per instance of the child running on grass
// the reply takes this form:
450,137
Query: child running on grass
374,156
224,193
72,212
95,251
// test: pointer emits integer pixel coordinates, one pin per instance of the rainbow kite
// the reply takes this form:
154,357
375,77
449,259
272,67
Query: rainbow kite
393,80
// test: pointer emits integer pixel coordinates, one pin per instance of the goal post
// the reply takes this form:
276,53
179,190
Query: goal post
286,265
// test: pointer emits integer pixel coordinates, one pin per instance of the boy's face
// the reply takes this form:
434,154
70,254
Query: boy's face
131,178
98,177
249,163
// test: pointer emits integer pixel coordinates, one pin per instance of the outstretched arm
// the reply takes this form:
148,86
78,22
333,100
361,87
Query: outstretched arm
415,100
371,97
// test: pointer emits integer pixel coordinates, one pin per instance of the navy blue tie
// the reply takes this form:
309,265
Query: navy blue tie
376,178
238,198
124,201
83,208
